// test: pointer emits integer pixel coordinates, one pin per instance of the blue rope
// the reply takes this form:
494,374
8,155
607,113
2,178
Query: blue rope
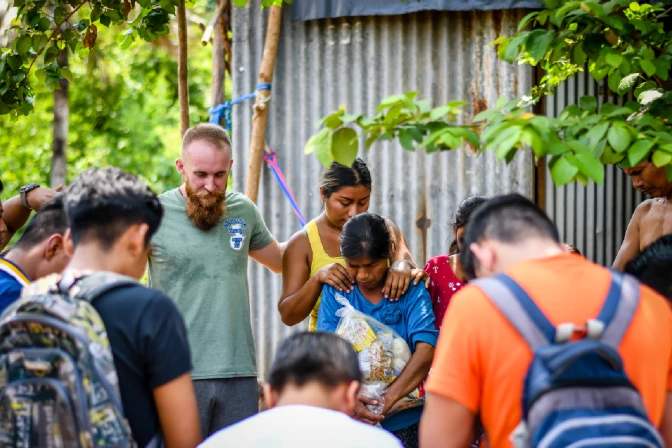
223,111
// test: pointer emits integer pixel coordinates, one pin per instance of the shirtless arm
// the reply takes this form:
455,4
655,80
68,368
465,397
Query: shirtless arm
630,247
299,290
178,413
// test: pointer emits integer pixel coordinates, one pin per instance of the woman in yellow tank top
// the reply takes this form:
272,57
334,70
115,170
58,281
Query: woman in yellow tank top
313,257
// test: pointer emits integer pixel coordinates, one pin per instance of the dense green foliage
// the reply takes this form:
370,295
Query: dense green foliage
123,112
628,43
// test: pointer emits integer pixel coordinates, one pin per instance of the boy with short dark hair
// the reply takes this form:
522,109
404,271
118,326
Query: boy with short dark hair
311,392
112,216
39,252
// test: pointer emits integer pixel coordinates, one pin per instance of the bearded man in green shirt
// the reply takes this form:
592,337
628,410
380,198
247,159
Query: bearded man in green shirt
199,259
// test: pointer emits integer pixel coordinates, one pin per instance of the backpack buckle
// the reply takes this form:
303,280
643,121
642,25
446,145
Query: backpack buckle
593,330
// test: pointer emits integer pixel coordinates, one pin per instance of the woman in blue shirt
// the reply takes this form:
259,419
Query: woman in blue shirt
368,248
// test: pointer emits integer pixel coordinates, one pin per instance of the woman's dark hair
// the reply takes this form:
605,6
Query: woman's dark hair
462,215
366,235
338,176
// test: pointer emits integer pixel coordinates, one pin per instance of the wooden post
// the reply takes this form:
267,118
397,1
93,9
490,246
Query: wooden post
59,161
182,67
258,139
217,29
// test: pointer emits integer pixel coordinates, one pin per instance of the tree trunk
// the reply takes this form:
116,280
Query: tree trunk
59,159
182,67
258,139
218,56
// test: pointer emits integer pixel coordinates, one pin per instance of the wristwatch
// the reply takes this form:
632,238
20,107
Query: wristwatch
24,193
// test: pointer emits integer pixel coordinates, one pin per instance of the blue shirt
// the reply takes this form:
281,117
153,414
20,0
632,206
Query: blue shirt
411,317
12,281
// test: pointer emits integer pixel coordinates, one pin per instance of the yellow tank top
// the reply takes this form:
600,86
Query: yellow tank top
320,260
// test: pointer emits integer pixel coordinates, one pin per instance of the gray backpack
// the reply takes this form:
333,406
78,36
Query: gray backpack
58,383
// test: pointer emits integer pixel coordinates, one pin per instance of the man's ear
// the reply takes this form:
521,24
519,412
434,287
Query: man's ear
179,164
270,397
54,245
68,245
484,255
351,397
135,239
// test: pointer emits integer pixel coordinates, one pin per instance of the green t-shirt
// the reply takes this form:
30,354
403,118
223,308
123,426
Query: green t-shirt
205,274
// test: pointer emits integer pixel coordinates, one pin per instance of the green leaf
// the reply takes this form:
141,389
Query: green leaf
501,102
406,139
619,137
319,140
614,59
393,113
588,103
627,83
391,101
595,134
578,55
344,146
506,141
643,87
648,67
661,158
609,157
662,68
485,115
538,42
23,44
527,19
614,80
590,166
562,171
43,24
240,3
513,48
66,73
439,112
639,151
468,135
50,55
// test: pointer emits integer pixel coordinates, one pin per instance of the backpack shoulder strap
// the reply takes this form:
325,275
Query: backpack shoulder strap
619,308
519,309
90,287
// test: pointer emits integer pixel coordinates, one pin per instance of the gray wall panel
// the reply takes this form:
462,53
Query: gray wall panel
358,61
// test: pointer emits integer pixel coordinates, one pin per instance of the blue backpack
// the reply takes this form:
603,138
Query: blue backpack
576,393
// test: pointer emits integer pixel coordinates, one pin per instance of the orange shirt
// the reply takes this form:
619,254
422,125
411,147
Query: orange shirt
480,360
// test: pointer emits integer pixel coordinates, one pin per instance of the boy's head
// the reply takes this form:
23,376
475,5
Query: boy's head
321,367
115,213
44,237
653,265
503,231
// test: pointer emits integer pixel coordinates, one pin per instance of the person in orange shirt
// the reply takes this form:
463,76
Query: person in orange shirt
481,360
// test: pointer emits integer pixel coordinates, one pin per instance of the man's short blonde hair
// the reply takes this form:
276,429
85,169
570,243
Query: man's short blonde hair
212,133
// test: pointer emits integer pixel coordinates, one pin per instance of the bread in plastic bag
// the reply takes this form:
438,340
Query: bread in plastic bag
382,356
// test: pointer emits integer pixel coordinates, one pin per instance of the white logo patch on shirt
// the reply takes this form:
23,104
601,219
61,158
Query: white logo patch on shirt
236,228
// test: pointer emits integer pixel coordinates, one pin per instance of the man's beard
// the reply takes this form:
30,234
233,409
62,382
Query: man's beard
205,209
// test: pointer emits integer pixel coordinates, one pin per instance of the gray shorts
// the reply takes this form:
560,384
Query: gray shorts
223,402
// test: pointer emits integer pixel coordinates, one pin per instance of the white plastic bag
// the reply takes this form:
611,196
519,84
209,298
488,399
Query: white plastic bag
382,355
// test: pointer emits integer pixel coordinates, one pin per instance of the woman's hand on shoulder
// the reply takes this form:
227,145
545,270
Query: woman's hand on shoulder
336,276
399,278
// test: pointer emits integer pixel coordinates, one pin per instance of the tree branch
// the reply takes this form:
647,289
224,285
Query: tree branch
53,32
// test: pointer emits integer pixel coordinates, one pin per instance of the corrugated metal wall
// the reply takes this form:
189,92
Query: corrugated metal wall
358,61
593,218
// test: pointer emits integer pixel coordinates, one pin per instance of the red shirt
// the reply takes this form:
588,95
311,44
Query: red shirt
443,285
